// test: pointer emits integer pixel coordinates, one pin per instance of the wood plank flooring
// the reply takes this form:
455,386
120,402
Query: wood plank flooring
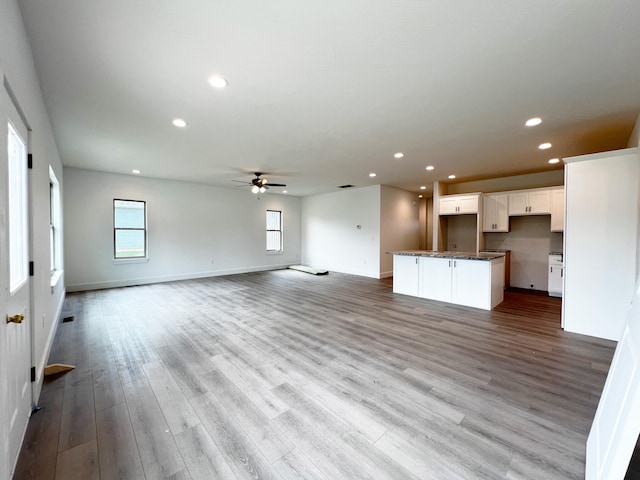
284,375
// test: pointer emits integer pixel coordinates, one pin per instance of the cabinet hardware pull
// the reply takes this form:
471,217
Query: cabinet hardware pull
454,263
561,273
449,262
551,269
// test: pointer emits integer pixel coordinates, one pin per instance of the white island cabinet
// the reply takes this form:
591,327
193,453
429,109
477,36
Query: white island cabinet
406,275
473,280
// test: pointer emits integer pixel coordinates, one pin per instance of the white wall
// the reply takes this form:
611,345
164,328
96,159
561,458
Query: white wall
18,71
530,241
602,228
399,225
189,227
331,238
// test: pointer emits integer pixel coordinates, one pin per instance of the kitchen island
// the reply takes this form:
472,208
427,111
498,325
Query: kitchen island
464,278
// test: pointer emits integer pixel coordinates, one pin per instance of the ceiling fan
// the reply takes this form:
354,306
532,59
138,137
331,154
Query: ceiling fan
259,185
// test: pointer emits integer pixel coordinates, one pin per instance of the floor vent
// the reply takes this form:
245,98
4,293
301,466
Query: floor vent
68,319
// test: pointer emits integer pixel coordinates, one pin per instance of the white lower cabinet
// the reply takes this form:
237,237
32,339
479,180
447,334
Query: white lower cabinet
473,283
406,274
435,278
469,285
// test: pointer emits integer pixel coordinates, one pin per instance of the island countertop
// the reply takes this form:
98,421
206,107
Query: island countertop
450,254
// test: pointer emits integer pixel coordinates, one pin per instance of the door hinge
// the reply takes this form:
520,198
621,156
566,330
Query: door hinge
30,160
33,374
31,269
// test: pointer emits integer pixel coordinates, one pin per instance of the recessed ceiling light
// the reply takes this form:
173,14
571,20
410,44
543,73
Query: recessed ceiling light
135,171
372,174
399,155
423,187
218,82
419,196
554,160
532,122
452,176
178,122
284,191
544,146
430,167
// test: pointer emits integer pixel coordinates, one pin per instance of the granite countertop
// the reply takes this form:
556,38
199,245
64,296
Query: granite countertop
461,255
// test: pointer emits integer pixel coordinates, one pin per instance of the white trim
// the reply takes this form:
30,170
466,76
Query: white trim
55,278
49,344
386,274
117,261
171,278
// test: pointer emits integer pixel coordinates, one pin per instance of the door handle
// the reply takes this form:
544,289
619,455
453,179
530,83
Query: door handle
15,318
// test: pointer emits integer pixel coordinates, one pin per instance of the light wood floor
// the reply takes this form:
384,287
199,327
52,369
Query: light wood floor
285,375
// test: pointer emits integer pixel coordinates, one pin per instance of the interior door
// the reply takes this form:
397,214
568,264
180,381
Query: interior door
616,425
16,321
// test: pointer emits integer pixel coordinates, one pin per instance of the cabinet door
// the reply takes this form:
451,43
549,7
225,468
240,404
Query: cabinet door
555,280
468,204
406,274
518,203
540,202
495,213
448,205
557,210
471,283
435,278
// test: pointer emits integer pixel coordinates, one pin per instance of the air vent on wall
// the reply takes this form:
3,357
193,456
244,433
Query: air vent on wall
346,186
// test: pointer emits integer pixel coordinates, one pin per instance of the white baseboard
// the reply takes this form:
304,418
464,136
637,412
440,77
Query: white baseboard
169,278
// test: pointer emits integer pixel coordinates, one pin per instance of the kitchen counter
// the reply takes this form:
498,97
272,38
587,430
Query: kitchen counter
464,278
449,254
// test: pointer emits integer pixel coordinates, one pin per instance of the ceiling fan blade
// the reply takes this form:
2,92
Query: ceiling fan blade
242,181
277,184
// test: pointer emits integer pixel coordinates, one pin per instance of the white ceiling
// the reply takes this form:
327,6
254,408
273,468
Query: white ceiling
321,93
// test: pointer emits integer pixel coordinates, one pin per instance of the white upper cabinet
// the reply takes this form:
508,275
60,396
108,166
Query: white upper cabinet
459,204
557,210
495,216
530,202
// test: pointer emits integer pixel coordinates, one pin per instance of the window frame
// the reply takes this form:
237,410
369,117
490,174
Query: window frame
55,225
144,229
280,231
18,203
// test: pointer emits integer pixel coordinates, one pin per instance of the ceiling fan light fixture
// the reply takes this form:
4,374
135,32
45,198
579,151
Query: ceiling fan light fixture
262,189
255,189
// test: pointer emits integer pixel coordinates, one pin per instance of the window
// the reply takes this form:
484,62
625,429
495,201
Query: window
274,231
129,229
55,230
18,219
